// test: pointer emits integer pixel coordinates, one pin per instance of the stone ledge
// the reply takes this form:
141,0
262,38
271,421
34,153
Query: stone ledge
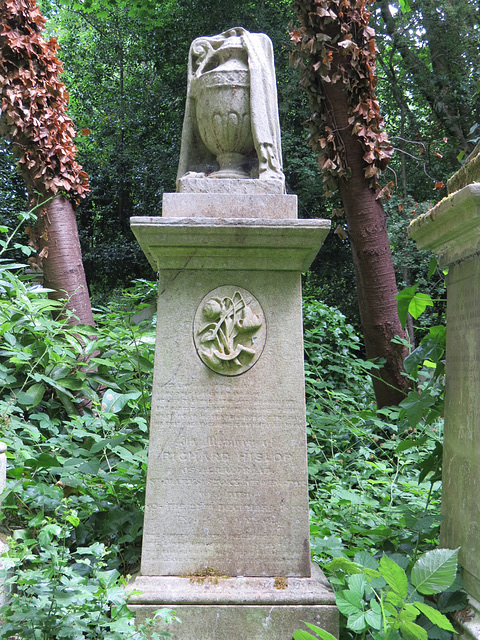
206,590
230,244
228,186
467,174
452,228
469,625
229,205
241,622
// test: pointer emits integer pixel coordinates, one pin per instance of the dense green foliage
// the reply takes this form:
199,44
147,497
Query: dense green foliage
74,404
74,409
125,69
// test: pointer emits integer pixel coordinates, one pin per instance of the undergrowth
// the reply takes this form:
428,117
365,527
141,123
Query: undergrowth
74,413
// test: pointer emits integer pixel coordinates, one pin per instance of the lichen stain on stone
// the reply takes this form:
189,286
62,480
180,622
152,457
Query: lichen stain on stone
208,574
280,583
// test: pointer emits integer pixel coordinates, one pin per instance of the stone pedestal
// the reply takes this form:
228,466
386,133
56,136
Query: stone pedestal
452,231
226,537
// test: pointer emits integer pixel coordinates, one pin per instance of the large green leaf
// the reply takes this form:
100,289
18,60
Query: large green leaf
114,402
435,616
418,304
32,396
301,634
435,571
349,603
404,298
395,576
412,631
324,635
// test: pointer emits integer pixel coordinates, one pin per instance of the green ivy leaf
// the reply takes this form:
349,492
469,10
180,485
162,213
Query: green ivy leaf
435,571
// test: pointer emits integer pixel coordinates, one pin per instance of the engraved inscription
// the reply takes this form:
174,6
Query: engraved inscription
229,330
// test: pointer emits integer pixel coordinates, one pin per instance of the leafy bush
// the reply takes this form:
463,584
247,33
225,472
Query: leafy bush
74,409
58,592
382,601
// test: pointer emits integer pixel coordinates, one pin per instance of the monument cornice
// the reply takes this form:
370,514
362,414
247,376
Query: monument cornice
238,244
451,229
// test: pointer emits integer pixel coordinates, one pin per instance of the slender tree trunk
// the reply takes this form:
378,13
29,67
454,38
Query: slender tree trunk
372,259
58,240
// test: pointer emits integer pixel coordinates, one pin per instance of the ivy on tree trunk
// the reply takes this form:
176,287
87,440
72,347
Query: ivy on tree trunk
34,120
335,52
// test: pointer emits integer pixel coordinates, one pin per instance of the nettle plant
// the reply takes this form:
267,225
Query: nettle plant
380,600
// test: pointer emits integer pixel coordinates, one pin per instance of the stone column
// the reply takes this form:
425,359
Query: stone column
226,537
3,484
452,231
3,467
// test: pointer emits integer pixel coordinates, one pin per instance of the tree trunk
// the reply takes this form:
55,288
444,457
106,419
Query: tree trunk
372,259
58,240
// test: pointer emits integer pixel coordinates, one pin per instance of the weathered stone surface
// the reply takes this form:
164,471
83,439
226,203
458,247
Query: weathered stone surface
231,127
467,174
452,230
238,607
469,625
228,186
230,622
227,473
211,589
3,467
223,205
3,545
226,244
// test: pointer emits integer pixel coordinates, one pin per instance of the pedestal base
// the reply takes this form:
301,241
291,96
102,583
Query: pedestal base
225,608
468,625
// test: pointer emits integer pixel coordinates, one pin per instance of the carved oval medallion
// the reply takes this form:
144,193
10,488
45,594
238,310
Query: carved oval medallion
229,330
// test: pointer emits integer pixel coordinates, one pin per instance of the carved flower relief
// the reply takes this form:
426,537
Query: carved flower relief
229,330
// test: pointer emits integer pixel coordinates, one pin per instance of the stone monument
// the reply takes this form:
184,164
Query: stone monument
452,230
3,484
226,535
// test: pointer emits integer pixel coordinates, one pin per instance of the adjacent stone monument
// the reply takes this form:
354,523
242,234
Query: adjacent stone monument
3,484
226,536
452,230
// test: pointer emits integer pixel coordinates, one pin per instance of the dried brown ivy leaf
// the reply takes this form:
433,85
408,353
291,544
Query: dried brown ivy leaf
34,103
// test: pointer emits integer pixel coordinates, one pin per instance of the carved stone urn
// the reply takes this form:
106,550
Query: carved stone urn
223,113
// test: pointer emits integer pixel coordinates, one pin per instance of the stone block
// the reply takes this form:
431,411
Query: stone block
229,186
227,469
452,231
226,533
232,622
226,205
221,607
468,623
